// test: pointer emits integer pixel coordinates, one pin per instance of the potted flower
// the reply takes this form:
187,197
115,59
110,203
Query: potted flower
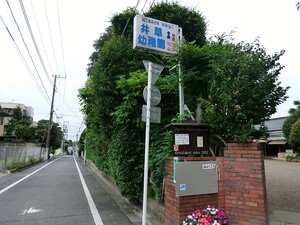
206,216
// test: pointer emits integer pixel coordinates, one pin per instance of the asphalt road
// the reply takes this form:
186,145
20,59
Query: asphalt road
57,194
283,185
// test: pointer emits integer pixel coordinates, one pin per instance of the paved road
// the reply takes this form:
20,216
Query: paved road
283,192
54,195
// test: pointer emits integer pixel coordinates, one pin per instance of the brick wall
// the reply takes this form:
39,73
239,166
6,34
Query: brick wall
245,186
178,207
221,184
242,188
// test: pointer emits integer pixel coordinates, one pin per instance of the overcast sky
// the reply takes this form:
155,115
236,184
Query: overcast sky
65,46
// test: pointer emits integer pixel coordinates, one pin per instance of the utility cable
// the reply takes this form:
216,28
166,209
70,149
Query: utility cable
29,51
51,36
61,39
34,41
138,2
44,48
24,61
144,6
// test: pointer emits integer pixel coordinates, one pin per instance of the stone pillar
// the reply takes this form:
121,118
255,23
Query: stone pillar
178,207
245,185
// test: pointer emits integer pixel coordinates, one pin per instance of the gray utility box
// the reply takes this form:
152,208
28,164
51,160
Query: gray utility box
196,177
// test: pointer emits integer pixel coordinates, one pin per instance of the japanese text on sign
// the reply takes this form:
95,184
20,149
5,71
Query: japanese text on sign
155,35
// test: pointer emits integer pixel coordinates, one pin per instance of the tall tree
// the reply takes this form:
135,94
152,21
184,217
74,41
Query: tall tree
19,127
294,137
56,133
294,115
243,88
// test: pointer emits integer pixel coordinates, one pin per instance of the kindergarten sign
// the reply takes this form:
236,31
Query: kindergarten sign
155,35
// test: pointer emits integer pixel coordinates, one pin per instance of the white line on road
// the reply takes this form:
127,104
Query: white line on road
93,208
24,178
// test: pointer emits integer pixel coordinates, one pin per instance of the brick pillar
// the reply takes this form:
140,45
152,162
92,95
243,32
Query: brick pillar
221,184
178,207
245,185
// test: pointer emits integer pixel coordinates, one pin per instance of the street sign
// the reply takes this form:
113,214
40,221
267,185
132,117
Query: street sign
155,95
156,70
156,36
155,114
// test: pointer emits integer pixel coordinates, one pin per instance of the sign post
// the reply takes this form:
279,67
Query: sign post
152,69
158,37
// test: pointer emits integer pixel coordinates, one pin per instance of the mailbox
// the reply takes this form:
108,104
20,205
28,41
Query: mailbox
196,177
190,139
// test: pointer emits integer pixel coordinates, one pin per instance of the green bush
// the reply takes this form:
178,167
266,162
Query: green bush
291,157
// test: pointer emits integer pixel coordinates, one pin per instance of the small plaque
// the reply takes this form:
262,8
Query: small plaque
200,142
182,187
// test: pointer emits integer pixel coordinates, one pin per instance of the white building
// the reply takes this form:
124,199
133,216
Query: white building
6,110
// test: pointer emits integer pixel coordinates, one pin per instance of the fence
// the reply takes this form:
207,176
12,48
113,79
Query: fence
14,155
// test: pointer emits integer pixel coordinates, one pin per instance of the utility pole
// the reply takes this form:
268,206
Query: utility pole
50,120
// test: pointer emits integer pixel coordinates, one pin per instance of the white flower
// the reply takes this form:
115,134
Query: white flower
215,223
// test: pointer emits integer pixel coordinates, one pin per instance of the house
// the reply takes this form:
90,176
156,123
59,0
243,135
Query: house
276,142
6,110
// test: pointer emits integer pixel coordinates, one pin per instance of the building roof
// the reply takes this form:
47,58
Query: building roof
275,124
2,113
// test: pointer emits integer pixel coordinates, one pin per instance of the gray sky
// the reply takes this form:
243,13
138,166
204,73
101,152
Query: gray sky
65,45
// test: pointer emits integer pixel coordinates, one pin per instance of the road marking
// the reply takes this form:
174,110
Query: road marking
31,210
24,178
93,208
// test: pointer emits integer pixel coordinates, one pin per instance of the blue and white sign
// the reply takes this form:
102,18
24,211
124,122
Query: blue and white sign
182,187
155,35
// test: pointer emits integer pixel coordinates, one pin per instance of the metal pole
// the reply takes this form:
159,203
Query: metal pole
181,94
147,144
5,159
50,120
84,153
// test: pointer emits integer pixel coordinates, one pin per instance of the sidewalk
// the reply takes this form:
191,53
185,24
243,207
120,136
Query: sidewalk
133,212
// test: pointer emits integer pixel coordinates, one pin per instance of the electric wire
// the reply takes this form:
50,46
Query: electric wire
61,40
28,51
44,48
62,51
24,61
144,6
34,41
24,13
125,27
51,36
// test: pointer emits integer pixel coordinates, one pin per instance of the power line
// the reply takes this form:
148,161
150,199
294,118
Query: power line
51,36
138,2
34,41
61,39
24,61
28,51
36,21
